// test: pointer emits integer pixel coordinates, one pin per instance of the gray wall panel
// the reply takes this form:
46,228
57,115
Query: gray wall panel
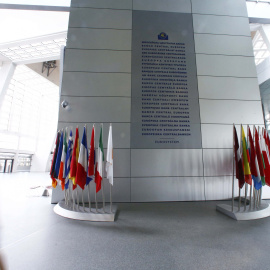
231,111
101,39
228,88
220,188
117,4
97,61
225,140
120,192
121,162
183,6
167,189
96,84
223,25
217,162
223,7
100,18
222,44
220,65
96,109
166,162
120,132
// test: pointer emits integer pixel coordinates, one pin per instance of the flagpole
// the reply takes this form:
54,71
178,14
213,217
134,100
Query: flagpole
110,198
102,185
241,148
239,200
254,198
78,200
94,169
246,185
250,191
96,201
73,191
260,202
250,196
245,205
89,199
233,170
83,201
68,193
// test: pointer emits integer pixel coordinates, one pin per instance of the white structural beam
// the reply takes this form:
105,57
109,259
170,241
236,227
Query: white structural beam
38,60
265,33
6,73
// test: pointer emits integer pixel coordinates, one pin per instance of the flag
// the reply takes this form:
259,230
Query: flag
54,181
82,167
68,158
109,159
74,159
254,168
259,156
58,159
91,161
265,158
245,155
62,175
267,141
99,166
238,162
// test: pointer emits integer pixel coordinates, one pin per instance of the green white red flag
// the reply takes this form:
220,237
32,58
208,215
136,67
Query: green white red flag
99,165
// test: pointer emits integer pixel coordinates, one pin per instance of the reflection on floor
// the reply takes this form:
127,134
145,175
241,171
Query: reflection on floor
181,235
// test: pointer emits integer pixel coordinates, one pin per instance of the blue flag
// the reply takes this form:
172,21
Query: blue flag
68,158
59,154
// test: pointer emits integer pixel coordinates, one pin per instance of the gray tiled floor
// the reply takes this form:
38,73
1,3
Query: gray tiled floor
184,235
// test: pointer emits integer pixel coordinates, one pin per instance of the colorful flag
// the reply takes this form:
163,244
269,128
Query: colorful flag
54,181
99,166
68,158
245,155
238,162
74,159
91,161
58,159
265,158
259,156
109,159
254,168
62,175
82,169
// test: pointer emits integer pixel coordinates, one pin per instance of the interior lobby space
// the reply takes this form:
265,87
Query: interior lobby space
165,235
158,102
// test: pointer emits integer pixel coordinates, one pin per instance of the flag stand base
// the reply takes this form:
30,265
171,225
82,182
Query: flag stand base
262,211
79,214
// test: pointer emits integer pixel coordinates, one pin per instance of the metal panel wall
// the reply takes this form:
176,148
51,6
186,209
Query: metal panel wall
227,83
97,84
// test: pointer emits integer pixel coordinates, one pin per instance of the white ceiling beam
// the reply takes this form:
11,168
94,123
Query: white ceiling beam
37,60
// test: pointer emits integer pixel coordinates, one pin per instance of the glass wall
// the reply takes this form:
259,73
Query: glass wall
28,111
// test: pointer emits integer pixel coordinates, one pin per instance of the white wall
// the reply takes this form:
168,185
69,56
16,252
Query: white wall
97,84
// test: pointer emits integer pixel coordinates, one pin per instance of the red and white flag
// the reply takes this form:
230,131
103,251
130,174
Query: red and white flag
82,169
99,165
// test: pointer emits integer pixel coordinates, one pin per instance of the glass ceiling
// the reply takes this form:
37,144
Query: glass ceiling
260,49
34,50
